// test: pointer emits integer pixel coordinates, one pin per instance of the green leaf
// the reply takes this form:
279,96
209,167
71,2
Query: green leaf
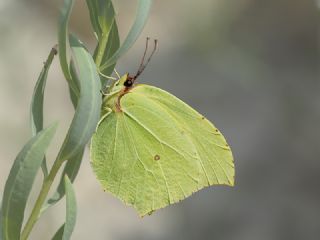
37,102
103,21
101,15
141,18
109,42
85,119
106,15
94,12
73,164
63,40
20,181
89,103
59,233
63,34
71,170
71,210
154,150
65,231
112,46
38,95
74,96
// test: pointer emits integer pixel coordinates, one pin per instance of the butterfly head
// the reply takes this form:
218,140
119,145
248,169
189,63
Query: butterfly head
126,81
129,82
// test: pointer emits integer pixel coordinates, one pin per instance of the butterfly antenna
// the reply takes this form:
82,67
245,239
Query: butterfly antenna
143,65
144,54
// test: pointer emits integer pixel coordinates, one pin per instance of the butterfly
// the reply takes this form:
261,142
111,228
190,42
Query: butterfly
151,149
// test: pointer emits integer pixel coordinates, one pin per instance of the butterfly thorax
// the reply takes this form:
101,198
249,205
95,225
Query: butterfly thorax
111,100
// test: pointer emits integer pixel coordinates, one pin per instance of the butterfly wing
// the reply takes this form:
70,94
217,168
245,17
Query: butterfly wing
158,151
216,160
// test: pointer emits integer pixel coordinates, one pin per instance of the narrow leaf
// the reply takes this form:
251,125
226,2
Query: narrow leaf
101,16
106,15
141,18
93,11
74,96
71,210
110,42
59,233
111,47
73,164
63,38
20,181
37,102
65,231
88,109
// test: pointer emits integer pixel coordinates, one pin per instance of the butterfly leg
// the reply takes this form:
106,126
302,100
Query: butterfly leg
103,92
116,72
108,77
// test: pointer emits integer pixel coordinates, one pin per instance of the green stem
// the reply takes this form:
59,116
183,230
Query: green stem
101,48
41,198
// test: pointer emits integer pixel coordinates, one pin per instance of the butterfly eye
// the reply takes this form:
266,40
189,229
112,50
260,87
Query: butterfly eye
128,83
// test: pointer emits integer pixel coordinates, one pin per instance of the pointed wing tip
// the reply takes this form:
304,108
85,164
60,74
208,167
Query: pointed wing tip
144,214
231,183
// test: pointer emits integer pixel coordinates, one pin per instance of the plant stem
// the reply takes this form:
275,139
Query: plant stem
101,48
41,198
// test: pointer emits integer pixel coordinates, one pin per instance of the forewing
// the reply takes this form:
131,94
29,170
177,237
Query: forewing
216,158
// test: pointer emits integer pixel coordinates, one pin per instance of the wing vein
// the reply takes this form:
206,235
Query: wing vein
152,134
114,151
202,165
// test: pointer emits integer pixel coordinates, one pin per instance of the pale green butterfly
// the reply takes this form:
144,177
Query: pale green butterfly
151,149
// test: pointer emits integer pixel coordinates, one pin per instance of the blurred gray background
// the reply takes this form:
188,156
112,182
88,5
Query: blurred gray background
250,66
